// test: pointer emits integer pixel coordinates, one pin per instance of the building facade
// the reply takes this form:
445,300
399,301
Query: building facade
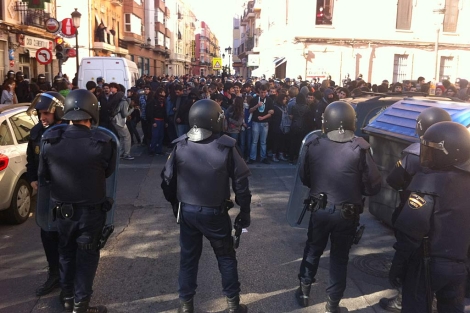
207,46
415,38
22,33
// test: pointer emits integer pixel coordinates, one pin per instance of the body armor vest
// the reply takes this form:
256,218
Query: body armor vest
437,207
202,174
335,170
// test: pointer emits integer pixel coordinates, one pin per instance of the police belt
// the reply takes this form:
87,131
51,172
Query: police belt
67,210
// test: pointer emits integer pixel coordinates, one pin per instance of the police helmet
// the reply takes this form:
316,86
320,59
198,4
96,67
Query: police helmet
205,118
19,75
81,104
430,116
339,121
445,144
41,78
10,74
51,101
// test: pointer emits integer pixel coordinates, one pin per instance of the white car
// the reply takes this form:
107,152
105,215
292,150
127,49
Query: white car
15,190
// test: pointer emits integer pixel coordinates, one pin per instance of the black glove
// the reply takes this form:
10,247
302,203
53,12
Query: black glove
175,207
397,271
243,219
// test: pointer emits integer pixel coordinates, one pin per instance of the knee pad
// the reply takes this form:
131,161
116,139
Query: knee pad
223,247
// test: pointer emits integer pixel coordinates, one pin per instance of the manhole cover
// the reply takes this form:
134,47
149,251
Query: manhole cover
376,265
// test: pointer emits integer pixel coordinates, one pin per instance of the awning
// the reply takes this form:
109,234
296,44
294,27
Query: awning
279,61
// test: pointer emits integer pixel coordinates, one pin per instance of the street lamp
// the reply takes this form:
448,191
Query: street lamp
76,16
440,11
229,51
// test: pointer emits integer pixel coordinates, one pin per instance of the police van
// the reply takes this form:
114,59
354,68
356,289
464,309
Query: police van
111,69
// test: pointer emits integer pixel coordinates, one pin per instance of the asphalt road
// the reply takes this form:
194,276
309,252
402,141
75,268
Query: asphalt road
139,266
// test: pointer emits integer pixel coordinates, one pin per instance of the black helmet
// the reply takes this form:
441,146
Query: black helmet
445,144
19,75
339,121
50,101
10,74
81,104
41,78
205,117
430,116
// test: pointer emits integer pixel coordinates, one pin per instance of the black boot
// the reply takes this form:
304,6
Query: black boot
332,306
84,307
186,306
234,306
51,283
66,299
302,294
391,304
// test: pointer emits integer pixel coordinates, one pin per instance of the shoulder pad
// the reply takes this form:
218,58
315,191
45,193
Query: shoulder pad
314,139
101,136
53,135
361,143
180,138
414,148
36,131
227,141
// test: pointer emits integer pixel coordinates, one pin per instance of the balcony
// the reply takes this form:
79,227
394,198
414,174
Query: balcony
159,27
249,43
31,17
117,3
97,45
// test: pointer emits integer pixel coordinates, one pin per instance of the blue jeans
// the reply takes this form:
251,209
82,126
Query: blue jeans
216,226
234,136
260,132
156,144
181,129
245,142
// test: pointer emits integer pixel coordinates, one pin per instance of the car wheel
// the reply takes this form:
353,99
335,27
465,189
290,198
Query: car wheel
20,203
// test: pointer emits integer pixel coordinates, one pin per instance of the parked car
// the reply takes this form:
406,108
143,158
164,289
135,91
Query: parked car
15,190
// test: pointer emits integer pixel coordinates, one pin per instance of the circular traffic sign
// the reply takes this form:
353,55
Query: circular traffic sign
71,53
52,25
67,29
44,56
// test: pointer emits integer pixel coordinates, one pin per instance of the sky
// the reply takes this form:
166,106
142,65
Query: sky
219,16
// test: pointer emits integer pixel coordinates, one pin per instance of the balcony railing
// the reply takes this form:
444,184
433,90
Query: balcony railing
249,43
31,17
122,44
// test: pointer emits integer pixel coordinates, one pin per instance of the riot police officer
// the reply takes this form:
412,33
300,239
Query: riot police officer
203,207
43,84
339,170
10,75
404,170
432,230
75,161
49,107
22,88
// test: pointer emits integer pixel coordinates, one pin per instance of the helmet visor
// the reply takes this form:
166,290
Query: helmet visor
44,101
432,154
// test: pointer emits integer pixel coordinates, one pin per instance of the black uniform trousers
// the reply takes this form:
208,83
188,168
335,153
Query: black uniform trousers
447,282
50,242
78,264
328,223
216,226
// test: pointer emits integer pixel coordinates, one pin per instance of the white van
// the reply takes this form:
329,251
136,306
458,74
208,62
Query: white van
112,69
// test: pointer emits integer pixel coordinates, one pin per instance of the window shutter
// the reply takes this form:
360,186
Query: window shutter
404,14
451,16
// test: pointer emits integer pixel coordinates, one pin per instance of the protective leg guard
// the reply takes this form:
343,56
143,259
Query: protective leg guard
391,304
84,307
302,294
51,283
66,299
186,306
234,306
332,306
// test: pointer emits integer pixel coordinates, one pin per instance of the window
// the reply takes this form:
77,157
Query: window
160,16
22,124
132,24
146,66
451,16
400,67
6,138
139,2
446,69
324,15
167,42
404,13
161,39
